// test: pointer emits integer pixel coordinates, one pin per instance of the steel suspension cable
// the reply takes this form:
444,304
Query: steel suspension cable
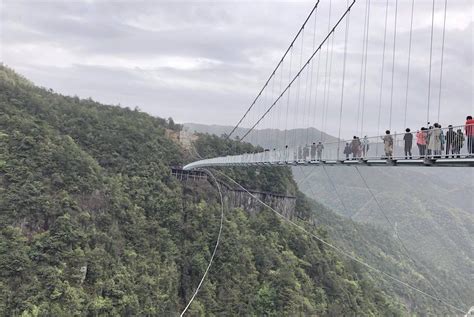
409,60
305,65
296,114
305,100
382,76
431,59
339,197
346,36
442,60
215,247
274,121
341,251
288,101
336,191
393,64
255,135
306,103
365,69
316,93
311,82
264,125
361,67
280,108
379,207
346,210
325,75
328,95
274,71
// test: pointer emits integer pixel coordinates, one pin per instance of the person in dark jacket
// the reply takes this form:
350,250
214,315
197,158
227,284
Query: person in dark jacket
355,145
458,143
450,137
408,138
347,150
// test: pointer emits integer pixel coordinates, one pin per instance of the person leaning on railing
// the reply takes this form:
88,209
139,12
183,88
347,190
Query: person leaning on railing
458,143
347,150
388,144
469,129
428,137
421,141
434,145
319,150
440,149
313,151
450,138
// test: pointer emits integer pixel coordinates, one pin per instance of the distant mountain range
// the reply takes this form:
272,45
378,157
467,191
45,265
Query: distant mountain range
266,138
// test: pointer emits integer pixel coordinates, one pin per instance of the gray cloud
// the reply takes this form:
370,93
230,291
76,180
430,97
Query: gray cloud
205,61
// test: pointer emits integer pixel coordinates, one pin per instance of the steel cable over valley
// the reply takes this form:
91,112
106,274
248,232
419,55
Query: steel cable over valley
348,255
215,247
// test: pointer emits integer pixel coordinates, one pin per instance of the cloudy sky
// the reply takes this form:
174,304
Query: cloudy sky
205,61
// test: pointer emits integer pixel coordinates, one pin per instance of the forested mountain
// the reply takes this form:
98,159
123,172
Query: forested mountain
93,223
431,210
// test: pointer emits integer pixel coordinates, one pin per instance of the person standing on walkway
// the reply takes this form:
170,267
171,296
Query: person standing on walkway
319,150
428,137
469,129
359,148
355,145
388,144
313,151
450,137
347,150
458,143
286,154
434,144
442,140
421,141
365,146
408,138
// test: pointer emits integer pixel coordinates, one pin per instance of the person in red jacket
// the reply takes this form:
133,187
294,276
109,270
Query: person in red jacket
469,129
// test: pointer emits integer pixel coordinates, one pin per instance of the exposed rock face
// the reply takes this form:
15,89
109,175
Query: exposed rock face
241,199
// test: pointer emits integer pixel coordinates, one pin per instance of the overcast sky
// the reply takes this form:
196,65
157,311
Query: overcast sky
205,61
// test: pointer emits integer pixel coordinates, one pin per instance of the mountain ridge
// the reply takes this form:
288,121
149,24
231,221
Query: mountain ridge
93,223
265,137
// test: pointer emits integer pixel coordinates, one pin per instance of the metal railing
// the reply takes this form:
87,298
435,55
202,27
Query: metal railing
432,144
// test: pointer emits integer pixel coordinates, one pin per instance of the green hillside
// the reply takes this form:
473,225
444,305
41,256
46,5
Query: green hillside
431,210
93,224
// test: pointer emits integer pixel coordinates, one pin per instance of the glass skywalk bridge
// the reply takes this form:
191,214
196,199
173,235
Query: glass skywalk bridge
449,147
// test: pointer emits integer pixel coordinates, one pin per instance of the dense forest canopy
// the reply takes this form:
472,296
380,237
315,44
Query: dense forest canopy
93,223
